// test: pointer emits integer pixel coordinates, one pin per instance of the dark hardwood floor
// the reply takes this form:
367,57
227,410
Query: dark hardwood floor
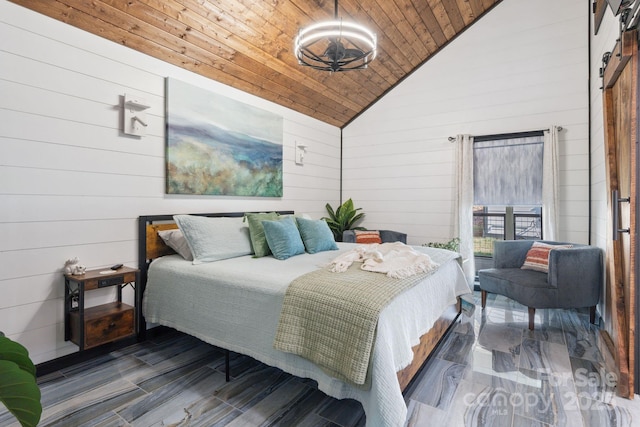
490,371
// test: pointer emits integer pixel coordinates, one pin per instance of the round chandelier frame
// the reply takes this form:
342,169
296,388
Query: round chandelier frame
335,45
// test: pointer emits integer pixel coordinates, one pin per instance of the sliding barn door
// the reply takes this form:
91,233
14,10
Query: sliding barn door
620,125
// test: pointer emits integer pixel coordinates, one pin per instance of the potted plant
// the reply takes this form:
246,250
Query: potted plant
451,245
19,390
343,218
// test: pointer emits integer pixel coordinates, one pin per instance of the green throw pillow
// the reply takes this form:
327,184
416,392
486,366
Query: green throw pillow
256,232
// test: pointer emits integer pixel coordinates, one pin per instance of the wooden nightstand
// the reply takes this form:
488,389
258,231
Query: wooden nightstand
93,326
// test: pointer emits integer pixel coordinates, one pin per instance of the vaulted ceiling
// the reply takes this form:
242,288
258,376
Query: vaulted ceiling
248,44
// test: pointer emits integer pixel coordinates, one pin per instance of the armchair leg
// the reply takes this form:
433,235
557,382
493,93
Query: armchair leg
592,315
532,315
484,299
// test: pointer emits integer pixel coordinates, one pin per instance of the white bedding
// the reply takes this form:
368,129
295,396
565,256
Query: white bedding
235,304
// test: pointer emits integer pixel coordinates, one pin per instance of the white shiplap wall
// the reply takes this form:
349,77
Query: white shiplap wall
524,66
72,185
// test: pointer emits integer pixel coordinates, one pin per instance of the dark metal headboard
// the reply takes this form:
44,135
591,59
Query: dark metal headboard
151,246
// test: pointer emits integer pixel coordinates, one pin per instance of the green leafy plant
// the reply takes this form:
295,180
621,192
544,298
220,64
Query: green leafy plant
451,245
19,390
343,218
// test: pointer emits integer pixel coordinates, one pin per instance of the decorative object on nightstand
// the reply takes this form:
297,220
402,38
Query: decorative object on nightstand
93,326
70,265
73,266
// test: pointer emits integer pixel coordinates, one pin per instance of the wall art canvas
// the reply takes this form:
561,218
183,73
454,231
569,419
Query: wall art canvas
220,146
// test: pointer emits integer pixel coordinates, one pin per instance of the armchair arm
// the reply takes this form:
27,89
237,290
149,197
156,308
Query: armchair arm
349,236
510,253
393,236
580,266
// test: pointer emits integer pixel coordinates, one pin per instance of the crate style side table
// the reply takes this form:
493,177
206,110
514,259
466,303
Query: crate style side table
89,327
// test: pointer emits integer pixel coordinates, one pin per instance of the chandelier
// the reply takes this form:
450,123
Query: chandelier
335,45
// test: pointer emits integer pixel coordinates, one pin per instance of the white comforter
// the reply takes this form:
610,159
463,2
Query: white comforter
235,304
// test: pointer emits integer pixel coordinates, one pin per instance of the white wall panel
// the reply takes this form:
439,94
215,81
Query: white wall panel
36,315
31,235
45,343
71,184
42,261
34,288
603,42
504,74
29,153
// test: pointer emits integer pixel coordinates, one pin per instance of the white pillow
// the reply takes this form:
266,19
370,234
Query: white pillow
213,239
174,238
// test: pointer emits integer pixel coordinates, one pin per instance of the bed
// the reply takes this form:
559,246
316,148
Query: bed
235,304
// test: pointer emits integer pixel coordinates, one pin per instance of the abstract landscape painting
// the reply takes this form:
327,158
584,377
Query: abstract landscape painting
219,146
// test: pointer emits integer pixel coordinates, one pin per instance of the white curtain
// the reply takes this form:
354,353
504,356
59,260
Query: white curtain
464,202
550,171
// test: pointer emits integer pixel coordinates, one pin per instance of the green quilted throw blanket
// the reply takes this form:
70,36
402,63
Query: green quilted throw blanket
331,318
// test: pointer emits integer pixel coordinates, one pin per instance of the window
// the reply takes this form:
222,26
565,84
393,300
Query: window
507,177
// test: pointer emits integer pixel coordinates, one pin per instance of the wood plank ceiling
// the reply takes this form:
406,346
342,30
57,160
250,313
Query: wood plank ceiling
248,44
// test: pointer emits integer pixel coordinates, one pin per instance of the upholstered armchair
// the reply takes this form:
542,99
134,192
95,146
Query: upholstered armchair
349,236
574,278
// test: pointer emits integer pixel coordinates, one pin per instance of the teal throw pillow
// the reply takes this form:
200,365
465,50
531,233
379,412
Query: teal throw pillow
256,231
283,238
316,235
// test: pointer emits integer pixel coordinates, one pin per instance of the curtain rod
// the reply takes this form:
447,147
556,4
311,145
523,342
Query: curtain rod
453,138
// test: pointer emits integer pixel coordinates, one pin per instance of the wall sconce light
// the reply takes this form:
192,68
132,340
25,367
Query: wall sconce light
301,149
134,118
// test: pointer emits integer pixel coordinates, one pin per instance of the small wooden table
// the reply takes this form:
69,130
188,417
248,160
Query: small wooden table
90,327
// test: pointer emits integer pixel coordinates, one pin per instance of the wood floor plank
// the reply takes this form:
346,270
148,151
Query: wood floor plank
173,397
80,381
272,406
85,407
151,378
